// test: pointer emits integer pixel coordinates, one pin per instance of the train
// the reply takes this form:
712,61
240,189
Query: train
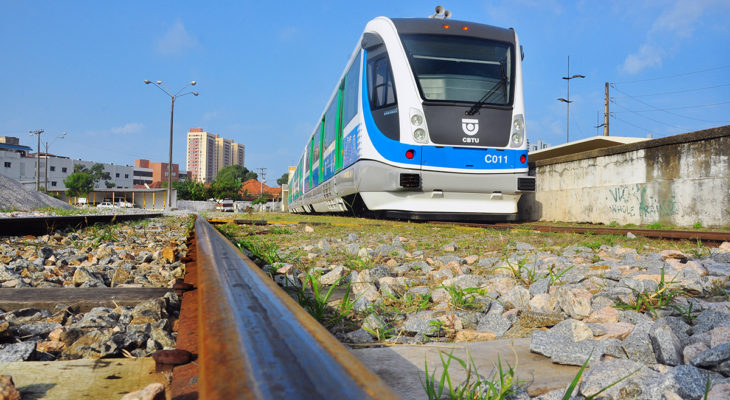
427,122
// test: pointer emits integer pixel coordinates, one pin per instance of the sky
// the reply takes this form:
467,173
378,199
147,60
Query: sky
265,69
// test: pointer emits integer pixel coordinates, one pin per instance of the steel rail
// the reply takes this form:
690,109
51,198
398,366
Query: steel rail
257,343
17,226
704,236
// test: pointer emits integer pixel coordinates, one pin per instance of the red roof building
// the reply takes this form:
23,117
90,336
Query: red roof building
251,189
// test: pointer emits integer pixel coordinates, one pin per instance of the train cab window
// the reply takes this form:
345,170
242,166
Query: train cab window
382,94
382,89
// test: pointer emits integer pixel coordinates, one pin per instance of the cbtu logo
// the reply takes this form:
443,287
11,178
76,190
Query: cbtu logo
470,126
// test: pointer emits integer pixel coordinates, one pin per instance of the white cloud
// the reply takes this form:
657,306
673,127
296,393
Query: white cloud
675,23
128,128
176,40
647,56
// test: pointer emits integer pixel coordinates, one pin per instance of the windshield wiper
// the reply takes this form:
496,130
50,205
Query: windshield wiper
502,83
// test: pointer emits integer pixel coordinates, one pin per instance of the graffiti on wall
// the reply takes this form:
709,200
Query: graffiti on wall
633,201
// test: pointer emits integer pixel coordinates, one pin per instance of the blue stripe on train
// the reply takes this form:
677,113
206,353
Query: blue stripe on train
432,156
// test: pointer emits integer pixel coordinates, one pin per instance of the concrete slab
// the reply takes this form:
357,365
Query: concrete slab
82,379
402,367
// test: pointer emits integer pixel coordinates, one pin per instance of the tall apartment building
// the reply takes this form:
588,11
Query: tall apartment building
208,153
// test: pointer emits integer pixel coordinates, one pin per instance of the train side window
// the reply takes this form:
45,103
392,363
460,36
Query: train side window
308,158
352,80
317,139
330,123
380,80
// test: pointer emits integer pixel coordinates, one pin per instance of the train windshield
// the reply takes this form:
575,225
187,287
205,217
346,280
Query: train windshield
461,69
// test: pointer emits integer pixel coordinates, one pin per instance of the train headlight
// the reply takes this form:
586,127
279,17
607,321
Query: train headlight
419,135
416,119
518,131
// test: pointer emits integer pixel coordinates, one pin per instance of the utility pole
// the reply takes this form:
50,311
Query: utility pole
567,101
262,175
37,160
605,112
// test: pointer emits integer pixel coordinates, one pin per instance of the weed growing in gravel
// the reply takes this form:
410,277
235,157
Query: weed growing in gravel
358,264
268,252
701,251
99,234
499,385
685,312
408,303
569,391
317,303
437,327
651,301
556,275
380,334
527,276
275,230
462,299
313,298
63,211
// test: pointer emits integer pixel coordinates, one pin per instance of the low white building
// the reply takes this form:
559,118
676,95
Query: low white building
17,163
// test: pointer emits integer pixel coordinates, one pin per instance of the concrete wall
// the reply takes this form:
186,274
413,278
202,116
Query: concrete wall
678,180
196,205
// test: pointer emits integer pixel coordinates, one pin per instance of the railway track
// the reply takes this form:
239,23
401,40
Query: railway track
706,237
711,238
240,336
253,340
18,226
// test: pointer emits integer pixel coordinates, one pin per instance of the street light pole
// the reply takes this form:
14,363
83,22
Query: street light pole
57,137
177,94
567,101
37,160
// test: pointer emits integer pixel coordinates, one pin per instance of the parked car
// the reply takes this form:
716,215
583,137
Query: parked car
225,205
105,204
124,204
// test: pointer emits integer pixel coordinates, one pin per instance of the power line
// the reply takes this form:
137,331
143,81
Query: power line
634,125
686,107
651,119
658,109
682,91
676,75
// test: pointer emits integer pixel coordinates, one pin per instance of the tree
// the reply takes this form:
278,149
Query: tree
236,173
79,184
190,190
283,180
96,172
226,189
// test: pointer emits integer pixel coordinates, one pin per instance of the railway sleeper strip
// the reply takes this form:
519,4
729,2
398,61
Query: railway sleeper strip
255,342
19,226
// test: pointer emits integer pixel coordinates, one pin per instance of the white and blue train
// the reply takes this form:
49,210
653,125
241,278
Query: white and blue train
426,122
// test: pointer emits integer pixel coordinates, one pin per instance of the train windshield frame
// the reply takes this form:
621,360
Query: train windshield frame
461,69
